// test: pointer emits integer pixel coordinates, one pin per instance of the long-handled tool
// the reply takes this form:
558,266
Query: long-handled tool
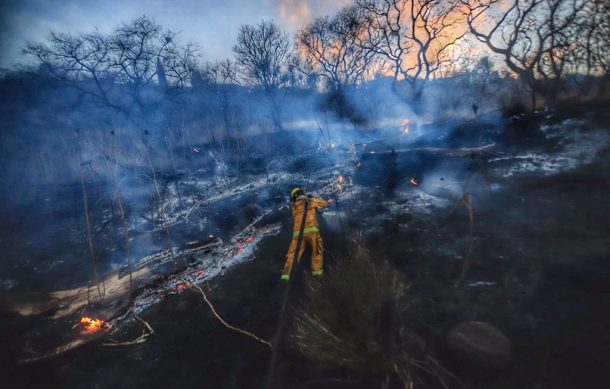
280,328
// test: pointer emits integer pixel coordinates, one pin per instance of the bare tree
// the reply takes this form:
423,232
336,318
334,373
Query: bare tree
414,36
534,37
130,62
299,73
228,72
82,60
219,72
180,63
335,47
261,52
593,51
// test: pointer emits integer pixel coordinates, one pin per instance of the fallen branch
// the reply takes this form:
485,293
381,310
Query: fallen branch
244,332
59,350
461,152
146,332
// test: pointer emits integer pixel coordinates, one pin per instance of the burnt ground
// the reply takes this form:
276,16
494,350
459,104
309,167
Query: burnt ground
539,273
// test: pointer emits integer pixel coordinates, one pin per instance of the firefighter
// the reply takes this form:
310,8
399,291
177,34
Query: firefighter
311,232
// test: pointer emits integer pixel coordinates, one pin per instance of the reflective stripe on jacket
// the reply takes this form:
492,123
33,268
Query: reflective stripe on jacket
311,224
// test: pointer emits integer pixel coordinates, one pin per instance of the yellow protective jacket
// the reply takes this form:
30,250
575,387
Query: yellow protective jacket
311,224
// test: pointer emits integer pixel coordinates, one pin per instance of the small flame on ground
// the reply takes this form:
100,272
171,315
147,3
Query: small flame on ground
340,183
414,182
405,126
92,325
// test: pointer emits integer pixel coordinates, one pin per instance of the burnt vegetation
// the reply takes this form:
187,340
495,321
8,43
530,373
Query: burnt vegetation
463,145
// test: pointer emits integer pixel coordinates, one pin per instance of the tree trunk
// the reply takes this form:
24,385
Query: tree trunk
275,109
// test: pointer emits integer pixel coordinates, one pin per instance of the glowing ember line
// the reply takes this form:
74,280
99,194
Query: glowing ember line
414,182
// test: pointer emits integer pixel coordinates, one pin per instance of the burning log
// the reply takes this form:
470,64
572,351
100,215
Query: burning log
93,329
213,257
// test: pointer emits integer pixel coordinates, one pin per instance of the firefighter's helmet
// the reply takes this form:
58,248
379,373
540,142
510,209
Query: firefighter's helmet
296,192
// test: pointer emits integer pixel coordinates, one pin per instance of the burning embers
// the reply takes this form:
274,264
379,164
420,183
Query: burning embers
92,326
414,182
405,126
342,183
243,241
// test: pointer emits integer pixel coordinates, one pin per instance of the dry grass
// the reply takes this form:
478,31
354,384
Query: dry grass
357,317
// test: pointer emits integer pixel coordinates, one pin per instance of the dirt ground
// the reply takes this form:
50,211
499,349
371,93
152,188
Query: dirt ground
537,271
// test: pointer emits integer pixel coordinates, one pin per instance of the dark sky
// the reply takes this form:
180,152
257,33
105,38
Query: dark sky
213,24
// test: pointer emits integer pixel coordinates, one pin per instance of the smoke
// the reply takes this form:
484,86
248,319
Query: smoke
300,12
210,142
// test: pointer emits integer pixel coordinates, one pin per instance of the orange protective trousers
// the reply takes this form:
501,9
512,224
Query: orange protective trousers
314,241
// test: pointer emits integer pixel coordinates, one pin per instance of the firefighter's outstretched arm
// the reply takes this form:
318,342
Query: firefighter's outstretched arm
318,203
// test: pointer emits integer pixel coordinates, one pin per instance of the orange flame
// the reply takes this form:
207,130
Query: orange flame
405,126
414,182
93,325
340,183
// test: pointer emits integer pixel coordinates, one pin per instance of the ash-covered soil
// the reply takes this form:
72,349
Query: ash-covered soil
514,235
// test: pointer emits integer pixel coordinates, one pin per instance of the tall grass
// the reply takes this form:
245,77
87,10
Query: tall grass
359,317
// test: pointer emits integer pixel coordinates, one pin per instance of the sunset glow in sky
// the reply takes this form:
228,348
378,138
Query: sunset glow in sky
212,24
